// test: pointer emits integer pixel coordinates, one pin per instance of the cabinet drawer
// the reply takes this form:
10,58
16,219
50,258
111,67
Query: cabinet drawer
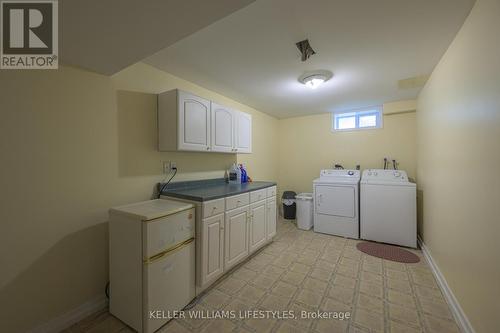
271,191
257,195
237,201
213,207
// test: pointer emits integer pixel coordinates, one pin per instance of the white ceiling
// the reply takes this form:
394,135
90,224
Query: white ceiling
369,45
106,36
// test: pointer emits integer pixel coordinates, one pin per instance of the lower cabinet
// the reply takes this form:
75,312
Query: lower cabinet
271,217
212,248
236,236
231,229
257,226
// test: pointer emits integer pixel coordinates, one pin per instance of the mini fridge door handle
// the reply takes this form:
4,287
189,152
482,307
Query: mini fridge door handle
168,251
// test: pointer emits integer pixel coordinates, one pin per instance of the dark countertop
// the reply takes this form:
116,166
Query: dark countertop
206,190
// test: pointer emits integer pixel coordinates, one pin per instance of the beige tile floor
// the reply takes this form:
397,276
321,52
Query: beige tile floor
306,271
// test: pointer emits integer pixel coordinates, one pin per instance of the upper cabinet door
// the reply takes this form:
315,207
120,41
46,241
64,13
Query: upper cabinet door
243,135
194,122
222,129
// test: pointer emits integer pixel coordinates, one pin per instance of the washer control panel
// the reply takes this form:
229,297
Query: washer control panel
385,175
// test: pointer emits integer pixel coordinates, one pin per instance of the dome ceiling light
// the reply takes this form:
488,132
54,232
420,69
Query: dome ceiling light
314,79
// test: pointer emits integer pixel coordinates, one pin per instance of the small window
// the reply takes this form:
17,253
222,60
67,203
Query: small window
359,119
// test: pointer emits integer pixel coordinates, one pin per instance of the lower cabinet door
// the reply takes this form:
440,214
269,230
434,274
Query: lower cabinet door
257,228
271,217
212,253
236,236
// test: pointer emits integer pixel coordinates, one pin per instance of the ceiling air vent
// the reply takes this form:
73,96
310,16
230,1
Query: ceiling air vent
305,48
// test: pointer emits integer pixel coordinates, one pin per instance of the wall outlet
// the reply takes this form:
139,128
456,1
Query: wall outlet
165,166
168,166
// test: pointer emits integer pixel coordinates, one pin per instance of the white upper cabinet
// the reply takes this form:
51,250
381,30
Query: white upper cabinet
194,122
183,122
243,132
187,122
223,137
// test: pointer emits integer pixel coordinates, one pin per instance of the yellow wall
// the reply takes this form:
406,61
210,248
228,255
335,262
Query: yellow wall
74,143
307,145
458,121
261,164
72,146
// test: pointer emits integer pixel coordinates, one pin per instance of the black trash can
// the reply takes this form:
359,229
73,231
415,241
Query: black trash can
289,205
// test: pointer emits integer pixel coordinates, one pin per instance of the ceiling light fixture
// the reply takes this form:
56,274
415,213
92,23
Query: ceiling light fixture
314,79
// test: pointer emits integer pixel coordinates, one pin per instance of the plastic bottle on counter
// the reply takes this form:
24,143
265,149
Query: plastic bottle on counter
243,174
234,175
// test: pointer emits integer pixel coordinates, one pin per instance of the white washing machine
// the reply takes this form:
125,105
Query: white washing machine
388,207
336,203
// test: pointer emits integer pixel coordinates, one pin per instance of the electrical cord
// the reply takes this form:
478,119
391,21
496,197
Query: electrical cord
162,187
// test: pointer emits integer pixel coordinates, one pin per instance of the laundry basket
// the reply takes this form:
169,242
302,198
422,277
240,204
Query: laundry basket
304,210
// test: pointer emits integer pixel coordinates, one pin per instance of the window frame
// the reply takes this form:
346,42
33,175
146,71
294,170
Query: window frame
358,113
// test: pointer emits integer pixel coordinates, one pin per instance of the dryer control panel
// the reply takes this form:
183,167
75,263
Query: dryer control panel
334,173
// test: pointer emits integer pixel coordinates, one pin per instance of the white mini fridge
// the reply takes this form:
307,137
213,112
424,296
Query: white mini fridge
152,262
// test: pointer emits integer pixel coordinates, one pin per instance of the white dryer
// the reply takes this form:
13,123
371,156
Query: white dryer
388,207
336,203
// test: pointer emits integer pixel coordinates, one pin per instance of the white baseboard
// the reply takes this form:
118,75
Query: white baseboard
460,317
73,316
